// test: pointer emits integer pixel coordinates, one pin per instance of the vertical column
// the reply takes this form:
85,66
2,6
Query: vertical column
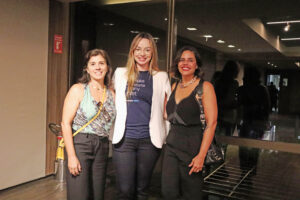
58,70
172,33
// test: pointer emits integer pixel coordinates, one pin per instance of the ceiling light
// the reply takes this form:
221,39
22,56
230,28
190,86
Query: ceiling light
287,27
284,22
221,41
108,24
298,64
269,63
191,28
289,39
239,49
112,2
275,66
207,36
155,39
134,32
231,46
166,19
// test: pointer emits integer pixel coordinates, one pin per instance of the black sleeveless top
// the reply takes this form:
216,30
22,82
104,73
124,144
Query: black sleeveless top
186,112
185,135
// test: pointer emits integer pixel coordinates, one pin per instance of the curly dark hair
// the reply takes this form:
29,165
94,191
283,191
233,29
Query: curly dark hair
85,78
174,68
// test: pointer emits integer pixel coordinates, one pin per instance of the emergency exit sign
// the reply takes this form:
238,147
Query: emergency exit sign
58,40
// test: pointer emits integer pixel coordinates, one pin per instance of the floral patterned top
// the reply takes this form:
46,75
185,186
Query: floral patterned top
88,108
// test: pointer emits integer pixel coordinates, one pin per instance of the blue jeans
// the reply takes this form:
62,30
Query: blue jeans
134,161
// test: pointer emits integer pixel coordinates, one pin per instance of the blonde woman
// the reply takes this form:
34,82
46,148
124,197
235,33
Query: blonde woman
140,128
87,152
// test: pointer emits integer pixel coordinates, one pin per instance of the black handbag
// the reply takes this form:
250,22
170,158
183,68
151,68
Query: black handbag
215,153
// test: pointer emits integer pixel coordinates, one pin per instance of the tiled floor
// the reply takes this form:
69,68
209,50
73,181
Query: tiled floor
266,175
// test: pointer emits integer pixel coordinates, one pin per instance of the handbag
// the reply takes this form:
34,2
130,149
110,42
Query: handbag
60,149
215,153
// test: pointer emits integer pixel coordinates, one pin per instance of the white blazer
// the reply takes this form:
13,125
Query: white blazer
158,126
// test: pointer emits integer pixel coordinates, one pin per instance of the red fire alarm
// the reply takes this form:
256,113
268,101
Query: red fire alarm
58,40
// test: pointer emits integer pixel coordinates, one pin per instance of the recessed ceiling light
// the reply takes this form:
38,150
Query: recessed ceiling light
135,32
269,63
239,49
284,22
207,36
166,19
108,24
156,39
275,66
289,39
231,46
113,2
191,28
221,41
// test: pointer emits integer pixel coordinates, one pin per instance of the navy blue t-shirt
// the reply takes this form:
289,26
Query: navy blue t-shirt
139,107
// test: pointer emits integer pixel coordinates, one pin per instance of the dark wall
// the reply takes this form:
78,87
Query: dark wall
116,39
289,96
83,30
90,30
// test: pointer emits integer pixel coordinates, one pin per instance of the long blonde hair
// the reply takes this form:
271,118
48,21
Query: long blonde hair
132,71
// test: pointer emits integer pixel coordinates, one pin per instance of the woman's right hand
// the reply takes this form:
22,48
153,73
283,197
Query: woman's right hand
74,166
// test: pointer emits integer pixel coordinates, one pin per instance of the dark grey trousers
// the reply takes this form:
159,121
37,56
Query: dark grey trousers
92,152
176,181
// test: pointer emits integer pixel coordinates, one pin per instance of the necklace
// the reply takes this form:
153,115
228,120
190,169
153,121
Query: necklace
97,88
184,85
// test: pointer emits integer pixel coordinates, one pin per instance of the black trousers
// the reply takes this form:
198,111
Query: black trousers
92,153
134,161
176,181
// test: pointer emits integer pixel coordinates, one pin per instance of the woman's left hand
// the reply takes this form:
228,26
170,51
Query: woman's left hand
196,164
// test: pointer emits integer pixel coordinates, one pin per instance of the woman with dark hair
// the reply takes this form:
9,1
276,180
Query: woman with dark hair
87,152
188,141
140,128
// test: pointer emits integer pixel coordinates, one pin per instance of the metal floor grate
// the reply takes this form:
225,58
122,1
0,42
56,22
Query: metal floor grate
232,182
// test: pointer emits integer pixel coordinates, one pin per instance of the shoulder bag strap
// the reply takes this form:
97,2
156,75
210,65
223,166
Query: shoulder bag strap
62,144
198,97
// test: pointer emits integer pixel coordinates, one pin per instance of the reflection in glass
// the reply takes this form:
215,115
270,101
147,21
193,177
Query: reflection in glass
226,88
253,105
240,31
